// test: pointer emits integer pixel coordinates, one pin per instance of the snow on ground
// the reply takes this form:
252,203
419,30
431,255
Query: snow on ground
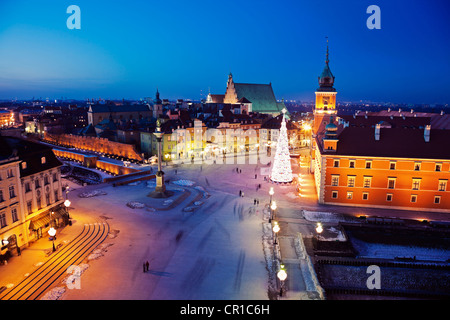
327,217
213,252
54,294
92,193
389,251
182,182
332,234
136,205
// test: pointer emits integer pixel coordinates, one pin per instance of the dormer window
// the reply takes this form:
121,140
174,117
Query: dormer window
43,160
24,165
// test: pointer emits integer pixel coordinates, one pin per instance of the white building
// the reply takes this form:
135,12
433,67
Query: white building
31,198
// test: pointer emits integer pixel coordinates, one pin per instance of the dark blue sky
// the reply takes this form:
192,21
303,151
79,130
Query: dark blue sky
125,49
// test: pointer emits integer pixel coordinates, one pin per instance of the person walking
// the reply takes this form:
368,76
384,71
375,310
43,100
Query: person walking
240,193
146,266
143,267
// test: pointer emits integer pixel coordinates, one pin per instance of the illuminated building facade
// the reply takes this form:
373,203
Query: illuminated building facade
401,168
31,198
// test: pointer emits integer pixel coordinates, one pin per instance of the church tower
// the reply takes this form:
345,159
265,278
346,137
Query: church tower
325,98
230,94
157,106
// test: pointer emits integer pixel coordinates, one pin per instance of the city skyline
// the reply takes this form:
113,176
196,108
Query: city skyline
188,49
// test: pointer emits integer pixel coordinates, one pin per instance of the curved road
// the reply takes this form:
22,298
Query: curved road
54,269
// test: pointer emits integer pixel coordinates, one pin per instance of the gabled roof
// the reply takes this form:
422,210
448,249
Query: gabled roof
244,100
394,122
88,130
31,153
260,95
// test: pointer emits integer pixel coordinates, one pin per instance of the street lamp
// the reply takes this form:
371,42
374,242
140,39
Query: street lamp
319,228
273,207
67,205
275,229
52,233
271,192
282,275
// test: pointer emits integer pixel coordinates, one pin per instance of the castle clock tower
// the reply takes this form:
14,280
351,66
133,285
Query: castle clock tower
325,98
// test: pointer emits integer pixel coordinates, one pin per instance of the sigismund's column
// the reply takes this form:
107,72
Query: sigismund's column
160,189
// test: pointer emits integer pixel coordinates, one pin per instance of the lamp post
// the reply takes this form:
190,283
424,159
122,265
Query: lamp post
52,233
282,275
271,192
273,207
275,229
67,205
51,218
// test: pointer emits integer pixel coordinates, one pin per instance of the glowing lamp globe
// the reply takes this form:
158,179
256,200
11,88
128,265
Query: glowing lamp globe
276,228
52,232
282,275
319,228
273,206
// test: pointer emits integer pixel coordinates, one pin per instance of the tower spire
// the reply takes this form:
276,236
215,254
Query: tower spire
327,60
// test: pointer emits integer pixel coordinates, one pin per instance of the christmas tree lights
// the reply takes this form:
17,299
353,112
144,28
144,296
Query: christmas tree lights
281,170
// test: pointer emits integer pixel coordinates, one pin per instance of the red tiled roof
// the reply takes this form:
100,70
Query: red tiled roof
393,143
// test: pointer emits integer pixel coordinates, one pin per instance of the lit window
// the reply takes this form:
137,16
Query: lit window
437,199
416,183
2,220
24,165
14,215
442,185
389,197
413,198
365,196
335,180
43,160
351,181
12,193
349,195
367,182
391,183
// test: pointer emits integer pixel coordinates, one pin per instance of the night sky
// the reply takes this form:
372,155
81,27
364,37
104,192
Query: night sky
126,49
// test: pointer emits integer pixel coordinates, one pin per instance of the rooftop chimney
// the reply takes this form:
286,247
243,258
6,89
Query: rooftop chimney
426,133
377,131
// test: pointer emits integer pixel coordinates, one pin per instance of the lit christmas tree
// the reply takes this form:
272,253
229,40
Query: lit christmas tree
281,170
